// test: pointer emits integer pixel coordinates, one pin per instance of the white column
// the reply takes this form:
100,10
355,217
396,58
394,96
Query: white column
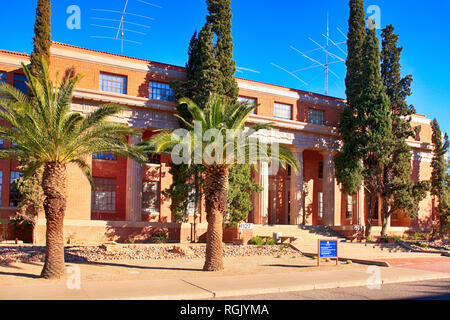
328,188
296,191
361,206
134,187
263,196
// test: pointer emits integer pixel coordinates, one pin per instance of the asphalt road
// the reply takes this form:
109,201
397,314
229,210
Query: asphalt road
434,290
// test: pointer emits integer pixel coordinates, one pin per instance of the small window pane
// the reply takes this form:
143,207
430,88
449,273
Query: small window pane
153,158
104,156
283,111
316,117
2,77
349,207
151,196
113,83
104,194
14,194
248,101
20,83
320,169
160,91
320,205
191,202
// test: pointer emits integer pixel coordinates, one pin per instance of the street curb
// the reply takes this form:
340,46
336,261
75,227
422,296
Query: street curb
297,288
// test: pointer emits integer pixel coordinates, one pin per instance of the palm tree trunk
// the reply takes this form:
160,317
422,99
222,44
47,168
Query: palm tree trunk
216,196
54,187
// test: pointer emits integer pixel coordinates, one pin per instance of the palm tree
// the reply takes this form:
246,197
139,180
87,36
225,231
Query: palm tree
219,117
45,134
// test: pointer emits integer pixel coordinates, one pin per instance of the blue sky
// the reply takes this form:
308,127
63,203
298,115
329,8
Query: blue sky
263,31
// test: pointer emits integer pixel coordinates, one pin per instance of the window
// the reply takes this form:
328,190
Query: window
104,156
283,111
160,91
248,101
113,83
2,144
20,82
320,169
2,77
320,213
151,196
104,194
14,194
316,117
1,184
153,158
349,214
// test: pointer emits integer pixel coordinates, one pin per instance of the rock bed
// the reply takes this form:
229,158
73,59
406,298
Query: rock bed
29,254
436,245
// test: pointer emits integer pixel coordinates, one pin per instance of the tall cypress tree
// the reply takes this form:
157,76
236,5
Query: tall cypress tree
400,192
241,185
355,48
438,176
202,79
211,69
30,205
42,35
349,170
220,20
366,124
374,110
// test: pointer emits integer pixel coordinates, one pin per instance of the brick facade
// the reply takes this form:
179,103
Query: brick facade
316,143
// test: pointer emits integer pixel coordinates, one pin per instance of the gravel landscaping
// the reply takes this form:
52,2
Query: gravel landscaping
29,254
424,246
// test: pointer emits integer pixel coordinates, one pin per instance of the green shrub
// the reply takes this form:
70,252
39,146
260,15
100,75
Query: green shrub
349,261
257,241
269,242
420,236
369,239
160,237
424,245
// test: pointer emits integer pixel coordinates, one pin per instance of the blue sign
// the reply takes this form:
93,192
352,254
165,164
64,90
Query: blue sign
328,249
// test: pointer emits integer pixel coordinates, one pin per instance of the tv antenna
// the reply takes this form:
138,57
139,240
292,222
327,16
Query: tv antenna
244,69
330,58
120,29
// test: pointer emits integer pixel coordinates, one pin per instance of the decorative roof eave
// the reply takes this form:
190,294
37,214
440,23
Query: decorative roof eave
295,125
124,100
294,94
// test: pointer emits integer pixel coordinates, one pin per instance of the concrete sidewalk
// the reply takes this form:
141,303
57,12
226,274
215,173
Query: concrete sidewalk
216,287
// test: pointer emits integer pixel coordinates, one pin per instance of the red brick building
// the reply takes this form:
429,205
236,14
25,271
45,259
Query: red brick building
128,198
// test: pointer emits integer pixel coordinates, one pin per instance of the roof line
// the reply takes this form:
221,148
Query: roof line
178,68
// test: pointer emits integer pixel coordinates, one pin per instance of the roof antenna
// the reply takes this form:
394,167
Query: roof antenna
330,58
121,25
120,35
